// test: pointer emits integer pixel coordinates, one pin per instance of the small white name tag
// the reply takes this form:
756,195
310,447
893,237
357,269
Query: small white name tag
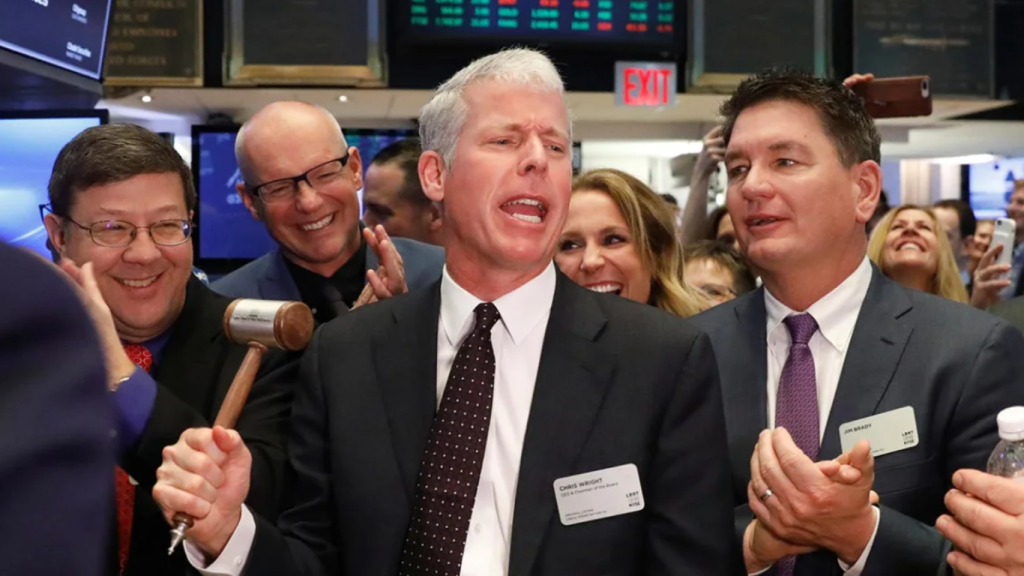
887,432
600,494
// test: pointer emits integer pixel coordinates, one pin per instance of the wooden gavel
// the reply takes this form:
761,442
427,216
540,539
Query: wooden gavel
261,324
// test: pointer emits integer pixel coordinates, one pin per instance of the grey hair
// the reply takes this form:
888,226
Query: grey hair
442,118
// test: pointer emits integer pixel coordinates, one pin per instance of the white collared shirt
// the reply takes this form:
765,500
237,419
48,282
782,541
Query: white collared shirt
836,314
517,340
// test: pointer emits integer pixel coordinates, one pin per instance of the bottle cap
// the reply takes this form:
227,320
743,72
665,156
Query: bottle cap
1011,423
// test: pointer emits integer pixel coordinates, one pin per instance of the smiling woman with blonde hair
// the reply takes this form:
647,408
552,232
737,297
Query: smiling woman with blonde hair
620,237
910,247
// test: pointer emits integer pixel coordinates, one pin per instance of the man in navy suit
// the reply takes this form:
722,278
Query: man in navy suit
56,455
301,180
830,352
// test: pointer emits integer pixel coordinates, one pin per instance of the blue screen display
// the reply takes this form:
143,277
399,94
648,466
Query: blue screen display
28,148
226,229
71,35
991,184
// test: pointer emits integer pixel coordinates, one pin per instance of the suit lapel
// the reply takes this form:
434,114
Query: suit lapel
187,368
277,283
406,360
573,376
744,384
879,338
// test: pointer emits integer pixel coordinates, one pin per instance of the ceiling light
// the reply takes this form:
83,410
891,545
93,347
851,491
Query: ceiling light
342,98
968,159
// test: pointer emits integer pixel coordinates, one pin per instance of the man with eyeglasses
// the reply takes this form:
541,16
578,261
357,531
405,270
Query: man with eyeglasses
121,202
301,181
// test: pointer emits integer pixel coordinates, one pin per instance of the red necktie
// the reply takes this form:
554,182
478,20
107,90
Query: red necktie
123,489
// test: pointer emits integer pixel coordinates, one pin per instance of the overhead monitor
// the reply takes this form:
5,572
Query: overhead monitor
991,184
70,35
29,143
647,23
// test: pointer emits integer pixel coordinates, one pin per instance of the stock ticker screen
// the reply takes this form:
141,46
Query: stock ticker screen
637,22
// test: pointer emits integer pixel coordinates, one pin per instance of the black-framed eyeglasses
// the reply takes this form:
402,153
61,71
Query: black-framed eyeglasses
317,177
118,233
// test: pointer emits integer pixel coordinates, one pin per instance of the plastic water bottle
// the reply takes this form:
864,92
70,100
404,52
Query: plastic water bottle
1007,460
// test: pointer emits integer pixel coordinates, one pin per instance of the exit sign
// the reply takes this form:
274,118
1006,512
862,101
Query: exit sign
645,83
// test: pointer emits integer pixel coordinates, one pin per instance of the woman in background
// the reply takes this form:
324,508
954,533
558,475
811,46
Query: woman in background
909,247
620,238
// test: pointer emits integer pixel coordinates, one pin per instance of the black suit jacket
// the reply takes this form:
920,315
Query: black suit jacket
193,376
618,383
56,459
956,366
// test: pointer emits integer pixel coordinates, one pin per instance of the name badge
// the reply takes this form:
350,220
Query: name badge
600,494
887,432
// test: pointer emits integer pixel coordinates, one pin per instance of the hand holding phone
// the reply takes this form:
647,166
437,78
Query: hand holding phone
992,276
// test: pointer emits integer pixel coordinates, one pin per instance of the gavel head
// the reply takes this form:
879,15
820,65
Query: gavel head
273,323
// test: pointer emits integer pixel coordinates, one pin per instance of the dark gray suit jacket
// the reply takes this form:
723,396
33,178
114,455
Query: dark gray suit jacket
267,277
1011,310
957,366
618,383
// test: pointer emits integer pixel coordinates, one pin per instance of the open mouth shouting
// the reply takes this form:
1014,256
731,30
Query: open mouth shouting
529,210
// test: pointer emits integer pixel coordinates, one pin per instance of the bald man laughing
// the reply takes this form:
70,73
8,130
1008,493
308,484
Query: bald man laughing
301,179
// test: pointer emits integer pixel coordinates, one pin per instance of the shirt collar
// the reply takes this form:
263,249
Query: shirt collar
521,310
836,312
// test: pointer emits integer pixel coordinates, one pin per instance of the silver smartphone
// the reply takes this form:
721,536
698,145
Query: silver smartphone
1004,234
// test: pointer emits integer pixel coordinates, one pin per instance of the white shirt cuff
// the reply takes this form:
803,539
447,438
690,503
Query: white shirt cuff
858,567
232,560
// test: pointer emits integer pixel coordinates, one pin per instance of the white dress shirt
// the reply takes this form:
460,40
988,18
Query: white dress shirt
836,314
517,340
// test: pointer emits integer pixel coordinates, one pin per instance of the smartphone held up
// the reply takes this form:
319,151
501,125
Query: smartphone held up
901,97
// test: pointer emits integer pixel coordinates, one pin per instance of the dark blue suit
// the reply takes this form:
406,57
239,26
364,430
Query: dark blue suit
267,277
56,455
956,366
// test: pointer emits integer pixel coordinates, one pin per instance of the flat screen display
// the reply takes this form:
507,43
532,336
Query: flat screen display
226,230
991,185
28,147
71,34
597,22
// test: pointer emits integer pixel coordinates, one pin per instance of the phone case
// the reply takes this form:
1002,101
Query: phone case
896,97
1004,234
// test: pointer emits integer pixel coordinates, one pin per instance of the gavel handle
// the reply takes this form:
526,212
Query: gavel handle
227,417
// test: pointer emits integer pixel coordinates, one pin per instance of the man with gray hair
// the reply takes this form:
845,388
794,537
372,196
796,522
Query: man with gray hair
504,422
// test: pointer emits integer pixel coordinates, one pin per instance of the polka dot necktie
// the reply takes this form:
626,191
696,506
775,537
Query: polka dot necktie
450,469
796,408
124,491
